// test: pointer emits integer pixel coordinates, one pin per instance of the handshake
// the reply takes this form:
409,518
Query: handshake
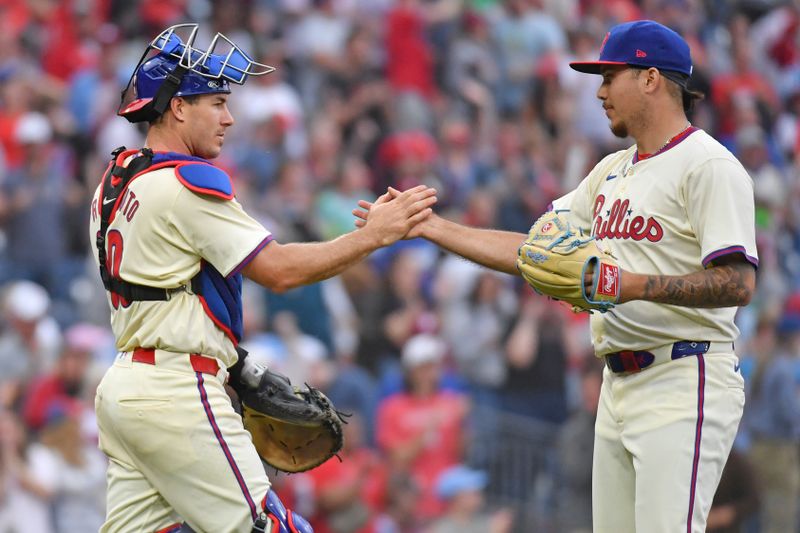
396,215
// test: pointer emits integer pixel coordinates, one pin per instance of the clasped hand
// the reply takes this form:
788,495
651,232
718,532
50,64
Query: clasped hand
395,214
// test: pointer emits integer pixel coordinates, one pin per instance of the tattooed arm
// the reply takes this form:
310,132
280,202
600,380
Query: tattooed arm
730,281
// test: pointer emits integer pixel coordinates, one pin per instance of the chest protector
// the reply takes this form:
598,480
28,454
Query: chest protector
220,297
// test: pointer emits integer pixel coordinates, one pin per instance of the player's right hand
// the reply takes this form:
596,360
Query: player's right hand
416,222
393,214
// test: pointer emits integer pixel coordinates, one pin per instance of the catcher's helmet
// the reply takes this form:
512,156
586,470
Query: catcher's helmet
179,69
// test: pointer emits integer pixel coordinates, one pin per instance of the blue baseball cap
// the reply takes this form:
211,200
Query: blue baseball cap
458,479
642,43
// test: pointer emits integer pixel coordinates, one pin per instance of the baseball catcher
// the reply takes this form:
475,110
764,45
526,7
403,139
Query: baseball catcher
560,262
173,246
293,430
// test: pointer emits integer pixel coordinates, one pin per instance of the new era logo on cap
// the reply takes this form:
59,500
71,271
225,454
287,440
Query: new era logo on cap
641,43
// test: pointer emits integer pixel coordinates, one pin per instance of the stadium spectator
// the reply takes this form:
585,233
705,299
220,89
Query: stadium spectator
358,94
24,499
405,310
271,100
317,43
574,449
31,339
736,501
334,202
476,308
37,194
524,33
65,387
400,514
471,68
71,470
772,419
743,83
462,489
350,491
537,357
421,430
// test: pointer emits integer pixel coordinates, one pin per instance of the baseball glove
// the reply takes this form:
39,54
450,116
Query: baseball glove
559,263
293,429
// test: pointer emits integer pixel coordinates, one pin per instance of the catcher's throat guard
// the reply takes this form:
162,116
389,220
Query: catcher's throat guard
172,66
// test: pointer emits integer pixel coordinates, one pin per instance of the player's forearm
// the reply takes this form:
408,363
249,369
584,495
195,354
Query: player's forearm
494,249
719,286
281,267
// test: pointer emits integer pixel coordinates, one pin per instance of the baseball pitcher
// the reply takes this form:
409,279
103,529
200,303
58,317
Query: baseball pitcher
658,242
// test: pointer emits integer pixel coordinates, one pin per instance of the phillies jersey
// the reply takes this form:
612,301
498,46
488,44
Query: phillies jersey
160,235
671,213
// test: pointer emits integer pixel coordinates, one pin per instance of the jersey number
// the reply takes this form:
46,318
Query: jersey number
114,255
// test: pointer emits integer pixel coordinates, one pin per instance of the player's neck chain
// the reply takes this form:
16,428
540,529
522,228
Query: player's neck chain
670,140
639,157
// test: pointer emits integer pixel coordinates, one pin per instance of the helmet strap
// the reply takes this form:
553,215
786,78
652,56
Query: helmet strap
168,89
156,107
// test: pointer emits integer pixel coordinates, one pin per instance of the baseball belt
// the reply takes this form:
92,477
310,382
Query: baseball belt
197,362
632,361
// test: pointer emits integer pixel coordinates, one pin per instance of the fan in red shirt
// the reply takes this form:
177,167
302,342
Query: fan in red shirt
421,429
744,82
350,492
65,386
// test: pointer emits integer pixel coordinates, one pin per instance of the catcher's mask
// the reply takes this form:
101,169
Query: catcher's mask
171,66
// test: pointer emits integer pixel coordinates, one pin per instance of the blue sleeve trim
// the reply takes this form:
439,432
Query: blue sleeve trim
727,251
206,179
250,256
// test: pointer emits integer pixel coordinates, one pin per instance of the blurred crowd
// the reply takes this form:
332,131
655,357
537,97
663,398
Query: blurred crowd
431,354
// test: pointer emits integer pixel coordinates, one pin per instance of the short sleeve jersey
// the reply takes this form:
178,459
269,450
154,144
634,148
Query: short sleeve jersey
158,238
672,213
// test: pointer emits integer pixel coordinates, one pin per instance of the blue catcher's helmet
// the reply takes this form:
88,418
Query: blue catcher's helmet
155,71
179,69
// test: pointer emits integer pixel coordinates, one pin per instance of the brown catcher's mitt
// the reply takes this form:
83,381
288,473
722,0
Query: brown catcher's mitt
293,429
558,262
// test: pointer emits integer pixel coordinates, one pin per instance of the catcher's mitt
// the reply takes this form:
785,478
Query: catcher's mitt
293,429
559,263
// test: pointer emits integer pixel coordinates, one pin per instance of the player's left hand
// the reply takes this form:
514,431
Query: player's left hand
294,429
559,263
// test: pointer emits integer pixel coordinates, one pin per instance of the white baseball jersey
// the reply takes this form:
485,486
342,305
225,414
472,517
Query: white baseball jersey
159,237
178,451
663,435
671,215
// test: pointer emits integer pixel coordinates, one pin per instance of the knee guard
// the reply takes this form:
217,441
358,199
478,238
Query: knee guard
277,519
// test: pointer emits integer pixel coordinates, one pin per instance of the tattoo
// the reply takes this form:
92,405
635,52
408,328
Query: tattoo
718,286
